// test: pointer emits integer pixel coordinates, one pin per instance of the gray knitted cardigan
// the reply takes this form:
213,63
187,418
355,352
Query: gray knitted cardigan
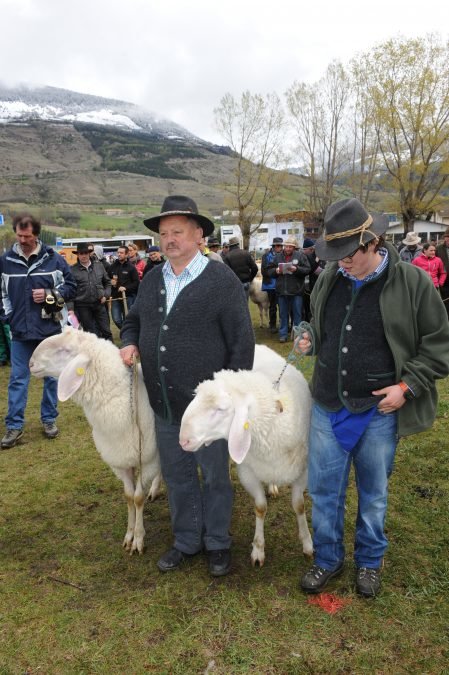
207,329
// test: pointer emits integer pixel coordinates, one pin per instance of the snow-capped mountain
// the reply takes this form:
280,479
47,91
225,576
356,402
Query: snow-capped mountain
21,104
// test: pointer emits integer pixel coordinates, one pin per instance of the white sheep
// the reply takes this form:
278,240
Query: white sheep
91,371
260,298
267,431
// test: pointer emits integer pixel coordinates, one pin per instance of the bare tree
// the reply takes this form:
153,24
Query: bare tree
407,81
318,115
365,144
253,128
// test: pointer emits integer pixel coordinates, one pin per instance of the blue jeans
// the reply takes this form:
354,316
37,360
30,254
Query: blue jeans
288,303
329,466
18,387
118,311
200,512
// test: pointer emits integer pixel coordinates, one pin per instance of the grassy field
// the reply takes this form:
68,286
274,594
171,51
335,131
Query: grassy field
72,601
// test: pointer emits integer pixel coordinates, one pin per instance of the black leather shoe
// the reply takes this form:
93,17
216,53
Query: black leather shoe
367,581
317,577
172,560
219,562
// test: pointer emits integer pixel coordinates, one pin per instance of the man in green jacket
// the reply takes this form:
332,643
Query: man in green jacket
381,336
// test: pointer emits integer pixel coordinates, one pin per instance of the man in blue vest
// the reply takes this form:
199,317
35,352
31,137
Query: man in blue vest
269,282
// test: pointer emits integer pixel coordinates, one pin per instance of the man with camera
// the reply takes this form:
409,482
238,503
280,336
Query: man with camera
35,281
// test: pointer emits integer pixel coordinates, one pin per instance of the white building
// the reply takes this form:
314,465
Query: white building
262,238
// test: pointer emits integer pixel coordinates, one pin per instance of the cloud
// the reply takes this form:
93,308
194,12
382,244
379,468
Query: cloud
179,58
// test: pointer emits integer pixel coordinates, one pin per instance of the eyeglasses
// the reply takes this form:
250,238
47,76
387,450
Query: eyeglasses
348,258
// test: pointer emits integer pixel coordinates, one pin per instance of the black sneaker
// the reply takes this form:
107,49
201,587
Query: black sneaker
172,559
317,577
367,581
219,562
11,437
50,429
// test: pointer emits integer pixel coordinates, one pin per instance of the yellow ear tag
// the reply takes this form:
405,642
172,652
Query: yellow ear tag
246,426
80,371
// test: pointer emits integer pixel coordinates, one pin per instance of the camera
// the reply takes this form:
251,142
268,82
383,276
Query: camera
53,304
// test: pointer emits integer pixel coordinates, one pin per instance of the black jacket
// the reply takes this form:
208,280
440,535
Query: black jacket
208,328
242,264
151,264
292,283
127,276
92,284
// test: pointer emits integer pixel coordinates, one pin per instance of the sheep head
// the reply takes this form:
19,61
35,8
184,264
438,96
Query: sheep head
62,356
214,413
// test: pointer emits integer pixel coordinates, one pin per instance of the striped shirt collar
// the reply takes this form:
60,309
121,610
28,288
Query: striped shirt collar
175,284
378,271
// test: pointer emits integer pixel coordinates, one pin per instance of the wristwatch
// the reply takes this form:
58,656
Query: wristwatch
408,394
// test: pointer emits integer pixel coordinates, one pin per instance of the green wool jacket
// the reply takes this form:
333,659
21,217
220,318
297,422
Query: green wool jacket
417,331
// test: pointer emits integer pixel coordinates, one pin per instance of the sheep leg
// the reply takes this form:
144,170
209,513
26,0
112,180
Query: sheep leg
155,486
127,477
298,488
261,315
255,488
139,530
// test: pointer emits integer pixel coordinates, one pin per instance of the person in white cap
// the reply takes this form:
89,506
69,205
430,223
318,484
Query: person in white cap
412,248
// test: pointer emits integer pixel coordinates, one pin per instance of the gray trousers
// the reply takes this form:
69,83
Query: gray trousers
200,509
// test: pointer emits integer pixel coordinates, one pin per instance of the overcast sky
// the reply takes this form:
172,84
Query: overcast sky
179,57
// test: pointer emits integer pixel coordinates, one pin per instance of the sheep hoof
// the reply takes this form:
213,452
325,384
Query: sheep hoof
127,542
257,558
138,545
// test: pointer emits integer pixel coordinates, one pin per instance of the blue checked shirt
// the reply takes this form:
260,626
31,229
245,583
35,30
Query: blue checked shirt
174,284
379,269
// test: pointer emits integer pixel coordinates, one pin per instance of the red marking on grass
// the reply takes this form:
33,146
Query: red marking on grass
329,602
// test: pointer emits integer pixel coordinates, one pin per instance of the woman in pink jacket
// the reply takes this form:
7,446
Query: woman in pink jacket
431,264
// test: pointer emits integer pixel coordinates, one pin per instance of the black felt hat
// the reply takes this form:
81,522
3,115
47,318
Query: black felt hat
347,225
178,205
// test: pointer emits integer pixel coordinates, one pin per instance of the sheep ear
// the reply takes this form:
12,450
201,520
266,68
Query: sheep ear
239,440
71,376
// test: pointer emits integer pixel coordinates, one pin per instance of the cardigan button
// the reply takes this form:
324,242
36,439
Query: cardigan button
348,327
345,394
163,369
160,309
344,372
162,348
162,292
165,327
345,350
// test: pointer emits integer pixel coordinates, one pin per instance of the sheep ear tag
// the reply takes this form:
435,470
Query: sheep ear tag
72,376
239,440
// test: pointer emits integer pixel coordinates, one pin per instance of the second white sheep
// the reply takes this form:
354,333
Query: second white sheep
267,431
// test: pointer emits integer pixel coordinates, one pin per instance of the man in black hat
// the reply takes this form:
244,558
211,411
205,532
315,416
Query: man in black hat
382,339
269,282
93,288
190,320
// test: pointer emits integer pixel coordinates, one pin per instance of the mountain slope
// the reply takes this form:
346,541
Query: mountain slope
58,146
